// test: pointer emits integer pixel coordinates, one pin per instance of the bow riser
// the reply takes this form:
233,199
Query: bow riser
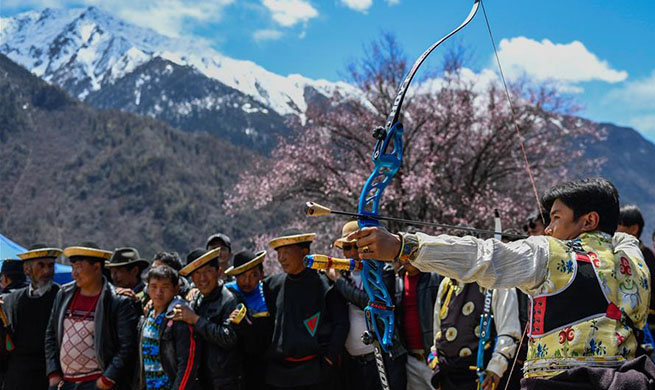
380,308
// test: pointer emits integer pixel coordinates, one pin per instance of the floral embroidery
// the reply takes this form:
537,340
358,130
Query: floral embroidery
596,348
541,351
597,339
630,291
566,335
644,283
594,325
625,267
594,259
565,266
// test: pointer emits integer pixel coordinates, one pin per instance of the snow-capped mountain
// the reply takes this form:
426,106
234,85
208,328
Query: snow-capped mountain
89,52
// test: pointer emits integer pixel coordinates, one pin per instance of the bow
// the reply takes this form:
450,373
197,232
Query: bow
387,163
387,158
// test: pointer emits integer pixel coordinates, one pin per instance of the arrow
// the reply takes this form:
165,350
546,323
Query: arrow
316,210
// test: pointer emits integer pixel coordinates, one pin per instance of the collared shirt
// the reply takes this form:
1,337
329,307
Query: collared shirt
38,292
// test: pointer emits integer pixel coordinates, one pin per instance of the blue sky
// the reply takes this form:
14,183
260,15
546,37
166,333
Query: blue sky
601,52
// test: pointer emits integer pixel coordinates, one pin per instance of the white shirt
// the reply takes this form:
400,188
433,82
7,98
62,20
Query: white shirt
495,264
354,344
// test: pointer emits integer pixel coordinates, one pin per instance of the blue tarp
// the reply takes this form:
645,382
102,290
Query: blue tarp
9,249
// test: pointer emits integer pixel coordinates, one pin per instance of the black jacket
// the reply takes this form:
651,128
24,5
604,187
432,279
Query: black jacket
359,298
428,286
115,333
178,352
220,361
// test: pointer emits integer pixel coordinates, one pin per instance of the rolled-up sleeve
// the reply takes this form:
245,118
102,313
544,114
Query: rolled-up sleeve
490,263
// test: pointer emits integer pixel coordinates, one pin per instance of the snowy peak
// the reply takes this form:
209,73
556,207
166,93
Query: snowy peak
84,50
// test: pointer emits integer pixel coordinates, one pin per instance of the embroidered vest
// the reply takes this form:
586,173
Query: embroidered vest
457,342
584,312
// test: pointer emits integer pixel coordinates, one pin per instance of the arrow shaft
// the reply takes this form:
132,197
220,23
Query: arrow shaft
420,223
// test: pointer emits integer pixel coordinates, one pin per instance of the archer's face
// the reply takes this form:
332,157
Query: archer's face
562,224
291,258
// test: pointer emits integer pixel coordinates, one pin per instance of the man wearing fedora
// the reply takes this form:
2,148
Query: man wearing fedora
359,365
126,267
209,315
256,330
91,339
27,310
311,320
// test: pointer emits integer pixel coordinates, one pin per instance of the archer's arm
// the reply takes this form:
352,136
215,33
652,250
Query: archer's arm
491,263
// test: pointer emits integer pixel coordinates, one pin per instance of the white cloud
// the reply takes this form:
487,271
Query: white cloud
393,2
637,94
566,63
169,17
358,5
645,124
634,103
267,35
288,13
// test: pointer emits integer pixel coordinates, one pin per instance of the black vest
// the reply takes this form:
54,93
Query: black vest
457,344
556,311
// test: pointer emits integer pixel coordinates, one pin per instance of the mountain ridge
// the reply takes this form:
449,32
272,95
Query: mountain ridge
71,173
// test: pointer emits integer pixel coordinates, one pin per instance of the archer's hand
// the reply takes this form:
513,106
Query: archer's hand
491,381
376,243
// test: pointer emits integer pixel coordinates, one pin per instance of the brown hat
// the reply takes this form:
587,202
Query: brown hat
291,237
126,256
200,261
348,228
